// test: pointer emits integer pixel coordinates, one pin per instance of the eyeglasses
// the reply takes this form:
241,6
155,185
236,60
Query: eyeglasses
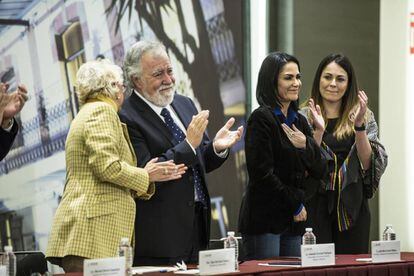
120,85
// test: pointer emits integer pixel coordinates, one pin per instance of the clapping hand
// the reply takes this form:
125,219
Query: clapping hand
225,138
363,106
4,99
196,128
164,171
15,101
295,136
316,116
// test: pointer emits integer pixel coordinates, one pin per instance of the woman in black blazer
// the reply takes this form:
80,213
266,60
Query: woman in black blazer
280,155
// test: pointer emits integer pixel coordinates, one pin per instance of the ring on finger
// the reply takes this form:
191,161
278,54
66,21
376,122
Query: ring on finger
165,171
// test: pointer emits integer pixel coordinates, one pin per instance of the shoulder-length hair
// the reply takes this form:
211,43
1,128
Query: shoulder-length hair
267,81
349,105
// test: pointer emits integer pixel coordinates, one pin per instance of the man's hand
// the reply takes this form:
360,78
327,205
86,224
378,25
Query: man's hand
17,100
197,127
225,138
4,100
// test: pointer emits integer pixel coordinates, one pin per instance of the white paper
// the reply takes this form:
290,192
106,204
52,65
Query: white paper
146,269
385,251
104,267
278,265
217,261
188,271
363,259
318,254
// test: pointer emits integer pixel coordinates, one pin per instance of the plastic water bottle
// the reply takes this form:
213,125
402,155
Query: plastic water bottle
9,260
308,237
231,242
125,250
388,234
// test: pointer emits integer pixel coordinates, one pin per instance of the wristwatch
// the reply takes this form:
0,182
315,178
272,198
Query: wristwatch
359,128
9,124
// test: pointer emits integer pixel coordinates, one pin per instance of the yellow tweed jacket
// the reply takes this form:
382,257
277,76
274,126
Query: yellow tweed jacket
97,208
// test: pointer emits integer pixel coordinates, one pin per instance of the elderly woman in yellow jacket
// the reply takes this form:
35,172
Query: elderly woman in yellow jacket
97,207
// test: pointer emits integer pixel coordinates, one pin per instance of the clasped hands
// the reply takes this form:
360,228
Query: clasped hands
11,104
224,139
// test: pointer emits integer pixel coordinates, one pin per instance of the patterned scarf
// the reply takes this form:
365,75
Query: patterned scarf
338,177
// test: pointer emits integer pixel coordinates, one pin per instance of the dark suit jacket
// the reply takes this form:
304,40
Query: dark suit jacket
6,139
165,222
277,174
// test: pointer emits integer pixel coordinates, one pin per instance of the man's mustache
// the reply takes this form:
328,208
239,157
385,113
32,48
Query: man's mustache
165,87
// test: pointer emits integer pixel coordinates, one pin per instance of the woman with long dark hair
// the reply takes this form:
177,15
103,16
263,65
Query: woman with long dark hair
348,134
280,154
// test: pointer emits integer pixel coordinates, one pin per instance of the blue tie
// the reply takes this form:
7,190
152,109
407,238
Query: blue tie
180,136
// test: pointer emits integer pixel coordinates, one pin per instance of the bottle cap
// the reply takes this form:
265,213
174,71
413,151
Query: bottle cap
230,233
308,229
8,248
388,225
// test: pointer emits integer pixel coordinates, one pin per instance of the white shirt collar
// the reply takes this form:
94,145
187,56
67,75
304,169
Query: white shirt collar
154,107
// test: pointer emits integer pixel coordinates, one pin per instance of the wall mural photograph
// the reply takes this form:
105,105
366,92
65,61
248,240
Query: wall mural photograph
204,40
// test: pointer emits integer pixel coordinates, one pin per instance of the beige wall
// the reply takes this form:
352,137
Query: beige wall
395,104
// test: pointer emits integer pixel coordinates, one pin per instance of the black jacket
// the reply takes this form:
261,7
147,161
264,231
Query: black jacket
7,139
277,173
164,224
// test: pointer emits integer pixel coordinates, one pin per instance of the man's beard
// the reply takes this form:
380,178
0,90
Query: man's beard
161,98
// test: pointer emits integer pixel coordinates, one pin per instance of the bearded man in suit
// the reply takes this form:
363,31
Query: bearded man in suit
174,224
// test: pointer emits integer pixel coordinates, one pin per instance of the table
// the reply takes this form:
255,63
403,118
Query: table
346,265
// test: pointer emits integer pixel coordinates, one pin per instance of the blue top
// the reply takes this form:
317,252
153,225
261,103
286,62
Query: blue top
292,115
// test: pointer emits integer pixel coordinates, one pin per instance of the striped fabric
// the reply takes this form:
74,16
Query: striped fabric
337,178
97,208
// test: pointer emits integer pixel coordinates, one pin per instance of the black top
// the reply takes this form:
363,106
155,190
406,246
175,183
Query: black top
342,147
277,172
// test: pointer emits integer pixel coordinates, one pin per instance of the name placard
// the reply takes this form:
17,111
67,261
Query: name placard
318,254
107,267
217,261
385,251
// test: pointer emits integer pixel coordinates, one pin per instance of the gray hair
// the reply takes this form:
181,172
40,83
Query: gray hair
96,78
132,62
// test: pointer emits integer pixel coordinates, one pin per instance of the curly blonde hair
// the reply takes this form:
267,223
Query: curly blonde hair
96,78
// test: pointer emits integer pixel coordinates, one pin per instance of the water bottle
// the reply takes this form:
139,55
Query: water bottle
9,260
231,242
125,250
388,234
308,237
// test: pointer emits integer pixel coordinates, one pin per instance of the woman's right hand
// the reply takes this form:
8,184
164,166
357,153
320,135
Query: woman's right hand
316,116
164,171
